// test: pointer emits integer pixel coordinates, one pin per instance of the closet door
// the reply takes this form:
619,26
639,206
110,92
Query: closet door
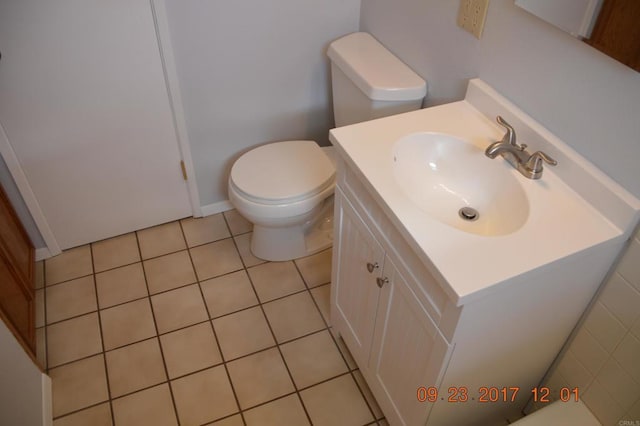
84,105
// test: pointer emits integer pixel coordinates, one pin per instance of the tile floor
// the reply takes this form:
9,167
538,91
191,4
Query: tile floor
180,324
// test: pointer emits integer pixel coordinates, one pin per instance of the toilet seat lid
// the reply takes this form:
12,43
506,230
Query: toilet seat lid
283,171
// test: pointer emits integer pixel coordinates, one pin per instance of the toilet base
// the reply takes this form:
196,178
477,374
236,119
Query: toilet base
292,242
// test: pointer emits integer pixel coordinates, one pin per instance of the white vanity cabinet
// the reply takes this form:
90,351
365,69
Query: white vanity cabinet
407,332
476,317
386,325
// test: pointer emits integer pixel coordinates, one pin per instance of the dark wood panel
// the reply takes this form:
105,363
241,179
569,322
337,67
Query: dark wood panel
15,240
17,293
17,307
617,31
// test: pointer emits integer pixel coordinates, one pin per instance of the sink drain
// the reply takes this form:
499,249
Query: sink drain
469,213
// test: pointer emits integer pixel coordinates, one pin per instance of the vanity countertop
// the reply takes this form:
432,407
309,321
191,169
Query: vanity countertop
573,208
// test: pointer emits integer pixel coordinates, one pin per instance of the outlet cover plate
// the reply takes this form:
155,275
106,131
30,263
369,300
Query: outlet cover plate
472,14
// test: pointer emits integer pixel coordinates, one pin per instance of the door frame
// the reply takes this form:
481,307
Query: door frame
163,36
13,164
179,123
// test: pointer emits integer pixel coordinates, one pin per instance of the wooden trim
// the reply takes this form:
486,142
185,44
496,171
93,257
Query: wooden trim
617,32
18,279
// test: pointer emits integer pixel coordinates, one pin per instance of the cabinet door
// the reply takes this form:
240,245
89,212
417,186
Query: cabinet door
355,293
408,351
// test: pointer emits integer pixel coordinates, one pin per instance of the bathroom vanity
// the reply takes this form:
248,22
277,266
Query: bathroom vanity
452,324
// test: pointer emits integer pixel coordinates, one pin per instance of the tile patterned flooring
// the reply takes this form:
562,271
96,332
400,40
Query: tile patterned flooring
180,324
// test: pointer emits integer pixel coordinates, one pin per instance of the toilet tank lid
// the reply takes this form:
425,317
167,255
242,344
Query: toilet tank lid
376,71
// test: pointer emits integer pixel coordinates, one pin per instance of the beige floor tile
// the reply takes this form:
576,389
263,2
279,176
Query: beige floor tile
204,397
127,323
121,285
337,401
204,230
151,406
364,387
114,252
229,421
313,359
38,275
179,308
78,385
70,299
70,264
39,308
237,224
322,296
243,242
275,279
169,272
190,349
41,346
228,293
99,415
284,411
243,333
161,239
259,378
135,367
316,269
293,316
215,259
73,339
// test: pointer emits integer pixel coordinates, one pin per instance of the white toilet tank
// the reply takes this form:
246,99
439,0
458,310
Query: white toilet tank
369,82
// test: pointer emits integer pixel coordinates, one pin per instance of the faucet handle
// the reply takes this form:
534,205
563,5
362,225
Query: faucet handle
534,163
510,136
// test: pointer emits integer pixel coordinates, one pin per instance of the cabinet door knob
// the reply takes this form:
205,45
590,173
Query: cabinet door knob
382,281
372,266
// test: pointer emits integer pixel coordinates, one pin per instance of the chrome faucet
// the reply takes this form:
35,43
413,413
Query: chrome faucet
529,165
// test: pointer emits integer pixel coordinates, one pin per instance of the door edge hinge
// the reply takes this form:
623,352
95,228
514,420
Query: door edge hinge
184,170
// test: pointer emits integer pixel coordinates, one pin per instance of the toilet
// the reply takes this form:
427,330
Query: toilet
570,413
286,188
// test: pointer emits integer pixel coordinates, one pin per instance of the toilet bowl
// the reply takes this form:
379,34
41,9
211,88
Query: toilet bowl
570,413
286,188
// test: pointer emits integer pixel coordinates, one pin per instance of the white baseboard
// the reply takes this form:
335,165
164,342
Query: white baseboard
42,253
47,402
221,206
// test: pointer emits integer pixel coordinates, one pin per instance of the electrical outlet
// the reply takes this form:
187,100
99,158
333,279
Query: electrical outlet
472,14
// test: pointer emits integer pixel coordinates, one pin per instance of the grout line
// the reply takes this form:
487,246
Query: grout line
70,279
104,355
157,336
107,401
210,319
284,361
189,326
213,329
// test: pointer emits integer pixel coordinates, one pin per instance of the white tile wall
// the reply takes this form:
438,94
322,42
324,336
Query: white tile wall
603,359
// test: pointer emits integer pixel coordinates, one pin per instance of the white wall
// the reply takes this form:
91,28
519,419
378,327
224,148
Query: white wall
602,358
252,72
21,385
586,98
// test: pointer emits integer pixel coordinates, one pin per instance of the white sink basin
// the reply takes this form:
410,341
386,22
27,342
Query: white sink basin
443,174
422,166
